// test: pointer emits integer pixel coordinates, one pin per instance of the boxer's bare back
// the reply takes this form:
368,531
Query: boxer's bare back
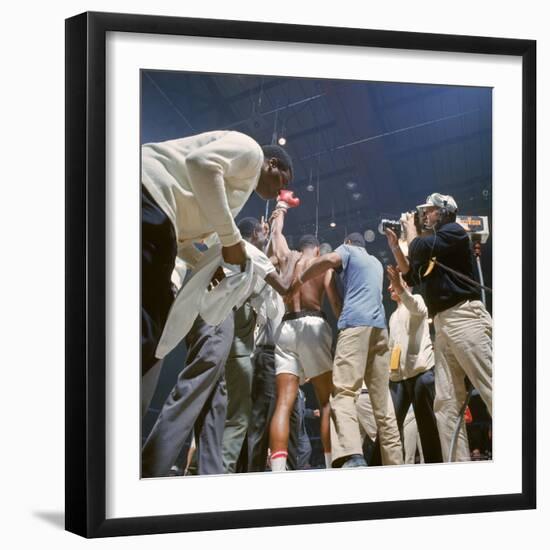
311,294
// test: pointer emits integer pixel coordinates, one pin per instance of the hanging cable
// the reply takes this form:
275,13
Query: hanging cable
274,134
169,101
276,110
318,192
391,133
316,201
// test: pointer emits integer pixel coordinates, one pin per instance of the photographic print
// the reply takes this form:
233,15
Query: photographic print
287,278
316,273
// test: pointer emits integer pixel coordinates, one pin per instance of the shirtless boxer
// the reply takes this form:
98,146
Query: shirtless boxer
303,345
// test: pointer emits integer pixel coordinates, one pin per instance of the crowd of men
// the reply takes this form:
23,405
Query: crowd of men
250,310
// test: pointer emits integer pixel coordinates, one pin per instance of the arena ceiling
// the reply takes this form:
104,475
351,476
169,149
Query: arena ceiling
361,150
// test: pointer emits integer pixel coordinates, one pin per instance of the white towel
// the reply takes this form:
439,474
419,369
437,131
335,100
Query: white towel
215,305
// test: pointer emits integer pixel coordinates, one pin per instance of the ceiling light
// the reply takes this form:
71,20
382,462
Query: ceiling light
310,187
282,141
332,224
369,235
356,196
351,185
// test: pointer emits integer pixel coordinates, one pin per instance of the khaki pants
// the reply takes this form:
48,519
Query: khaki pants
463,347
411,439
365,415
362,354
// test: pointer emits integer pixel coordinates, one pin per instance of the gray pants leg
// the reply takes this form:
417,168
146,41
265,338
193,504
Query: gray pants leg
299,446
209,429
263,405
238,376
199,395
149,385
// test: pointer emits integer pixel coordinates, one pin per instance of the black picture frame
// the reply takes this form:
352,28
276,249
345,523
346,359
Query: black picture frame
86,279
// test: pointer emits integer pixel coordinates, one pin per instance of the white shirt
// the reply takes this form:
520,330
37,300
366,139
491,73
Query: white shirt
269,308
215,305
409,329
202,182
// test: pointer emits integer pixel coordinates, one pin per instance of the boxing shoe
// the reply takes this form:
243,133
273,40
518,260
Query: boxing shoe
286,199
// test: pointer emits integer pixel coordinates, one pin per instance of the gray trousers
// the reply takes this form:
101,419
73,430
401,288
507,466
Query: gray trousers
238,376
263,405
299,445
198,400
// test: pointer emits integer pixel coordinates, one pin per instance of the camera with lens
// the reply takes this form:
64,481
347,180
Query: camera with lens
397,225
394,225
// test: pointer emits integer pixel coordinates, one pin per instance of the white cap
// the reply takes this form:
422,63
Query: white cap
441,201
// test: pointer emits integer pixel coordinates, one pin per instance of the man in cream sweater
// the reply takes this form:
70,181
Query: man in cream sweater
192,189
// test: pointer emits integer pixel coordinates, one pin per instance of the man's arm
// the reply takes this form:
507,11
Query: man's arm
316,268
398,254
409,227
333,295
279,243
234,254
415,304
283,282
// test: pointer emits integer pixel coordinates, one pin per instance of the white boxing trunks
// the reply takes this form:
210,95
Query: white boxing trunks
303,345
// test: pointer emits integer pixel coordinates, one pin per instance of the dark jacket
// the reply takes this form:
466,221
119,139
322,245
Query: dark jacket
450,245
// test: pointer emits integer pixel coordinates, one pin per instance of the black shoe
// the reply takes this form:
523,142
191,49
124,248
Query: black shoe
354,461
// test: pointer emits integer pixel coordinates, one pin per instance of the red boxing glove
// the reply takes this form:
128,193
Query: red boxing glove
286,199
468,416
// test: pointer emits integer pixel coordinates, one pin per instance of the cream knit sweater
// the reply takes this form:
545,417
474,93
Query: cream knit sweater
202,182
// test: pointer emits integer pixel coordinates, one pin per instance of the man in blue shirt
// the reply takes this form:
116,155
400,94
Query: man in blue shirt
361,353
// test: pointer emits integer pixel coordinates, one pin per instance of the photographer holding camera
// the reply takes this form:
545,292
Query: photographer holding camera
441,260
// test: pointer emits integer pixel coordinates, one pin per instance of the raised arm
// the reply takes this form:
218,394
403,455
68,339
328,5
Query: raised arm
279,244
414,303
282,282
398,254
409,227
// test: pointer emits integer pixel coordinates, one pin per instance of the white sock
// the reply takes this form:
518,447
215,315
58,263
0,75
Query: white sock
278,461
328,460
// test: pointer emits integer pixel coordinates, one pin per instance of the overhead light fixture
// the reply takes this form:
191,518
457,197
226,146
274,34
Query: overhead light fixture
310,188
332,224
282,141
356,196
332,219
369,235
351,185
